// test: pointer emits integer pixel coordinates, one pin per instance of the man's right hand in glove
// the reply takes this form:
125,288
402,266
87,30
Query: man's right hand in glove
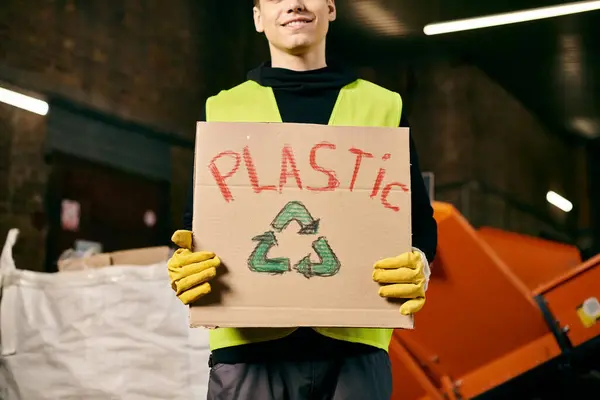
190,271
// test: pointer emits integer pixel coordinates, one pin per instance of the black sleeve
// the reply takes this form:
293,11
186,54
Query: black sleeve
188,214
424,226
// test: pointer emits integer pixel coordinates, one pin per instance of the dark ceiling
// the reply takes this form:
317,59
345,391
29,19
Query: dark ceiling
550,65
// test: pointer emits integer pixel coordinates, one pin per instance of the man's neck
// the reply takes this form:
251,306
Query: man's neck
308,61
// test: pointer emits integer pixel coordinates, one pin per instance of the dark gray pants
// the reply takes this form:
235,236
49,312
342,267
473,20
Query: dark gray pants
361,377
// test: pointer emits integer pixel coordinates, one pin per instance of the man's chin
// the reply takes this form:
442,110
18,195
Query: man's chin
299,47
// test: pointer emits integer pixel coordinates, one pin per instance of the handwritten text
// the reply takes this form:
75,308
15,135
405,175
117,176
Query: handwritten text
290,173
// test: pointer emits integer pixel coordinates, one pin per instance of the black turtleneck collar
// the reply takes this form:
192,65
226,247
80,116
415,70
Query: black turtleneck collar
304,96
331,77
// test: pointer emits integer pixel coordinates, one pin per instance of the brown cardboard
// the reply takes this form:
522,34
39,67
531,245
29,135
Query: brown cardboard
357,225
76,264
144,256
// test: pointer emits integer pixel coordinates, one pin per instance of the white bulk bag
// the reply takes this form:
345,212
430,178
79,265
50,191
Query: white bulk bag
98,334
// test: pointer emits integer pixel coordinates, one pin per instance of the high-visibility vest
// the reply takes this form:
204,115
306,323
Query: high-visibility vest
360,103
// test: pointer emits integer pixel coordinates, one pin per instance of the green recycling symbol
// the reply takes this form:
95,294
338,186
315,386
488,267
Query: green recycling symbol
259,261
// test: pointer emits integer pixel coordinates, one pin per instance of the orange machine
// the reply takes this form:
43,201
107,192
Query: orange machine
500,306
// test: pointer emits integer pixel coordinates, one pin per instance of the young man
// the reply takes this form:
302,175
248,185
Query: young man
305,363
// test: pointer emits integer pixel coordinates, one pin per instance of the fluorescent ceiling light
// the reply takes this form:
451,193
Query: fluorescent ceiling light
22,101
558,201
379,18
511,18
588,128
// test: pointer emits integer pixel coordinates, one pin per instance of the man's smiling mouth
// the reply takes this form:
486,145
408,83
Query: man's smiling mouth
297,22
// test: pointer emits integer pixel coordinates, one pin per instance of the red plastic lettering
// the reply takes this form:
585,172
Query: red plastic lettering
386,191
377,184
359,156
219,177
380,176
333,182
252,175
288,162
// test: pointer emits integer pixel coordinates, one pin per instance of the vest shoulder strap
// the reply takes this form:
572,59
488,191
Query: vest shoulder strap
364,103
246,102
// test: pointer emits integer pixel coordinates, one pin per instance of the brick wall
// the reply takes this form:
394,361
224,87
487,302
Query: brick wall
23,175
469,128
138,60
135,59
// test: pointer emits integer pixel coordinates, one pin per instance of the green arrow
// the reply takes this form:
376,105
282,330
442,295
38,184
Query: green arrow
328,264
258,260
296,211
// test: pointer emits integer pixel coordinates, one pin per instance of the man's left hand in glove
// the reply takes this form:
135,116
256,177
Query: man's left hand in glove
404,277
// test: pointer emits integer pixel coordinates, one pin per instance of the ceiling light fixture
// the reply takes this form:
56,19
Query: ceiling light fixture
510,18
23,101
558,201
379,18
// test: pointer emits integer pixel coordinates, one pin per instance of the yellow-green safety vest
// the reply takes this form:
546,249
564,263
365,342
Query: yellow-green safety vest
360,103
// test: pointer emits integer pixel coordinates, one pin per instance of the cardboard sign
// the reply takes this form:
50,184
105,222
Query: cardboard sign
298,215
143,256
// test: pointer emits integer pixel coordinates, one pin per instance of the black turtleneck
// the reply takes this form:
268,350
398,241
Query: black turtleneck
306,97
309,97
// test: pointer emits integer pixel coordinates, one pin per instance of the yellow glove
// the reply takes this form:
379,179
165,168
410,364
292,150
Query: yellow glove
190,271
404,277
